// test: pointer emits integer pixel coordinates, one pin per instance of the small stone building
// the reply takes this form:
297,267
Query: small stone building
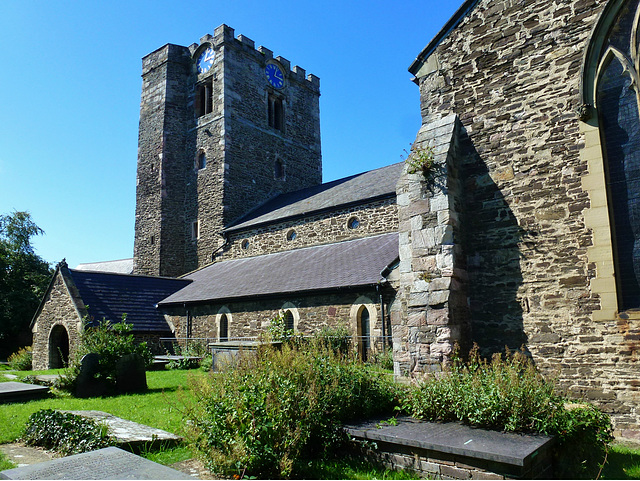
521,229
76,298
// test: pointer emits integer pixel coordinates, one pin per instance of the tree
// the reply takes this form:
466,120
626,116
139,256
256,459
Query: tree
24,277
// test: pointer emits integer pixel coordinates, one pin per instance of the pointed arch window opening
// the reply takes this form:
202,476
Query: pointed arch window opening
224,328
617,99
364,332
289,322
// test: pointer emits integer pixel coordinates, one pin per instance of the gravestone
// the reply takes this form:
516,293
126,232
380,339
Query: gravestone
107,463
87,383
131,374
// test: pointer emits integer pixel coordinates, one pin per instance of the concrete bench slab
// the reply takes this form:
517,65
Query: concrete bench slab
129,434
107,463
19,391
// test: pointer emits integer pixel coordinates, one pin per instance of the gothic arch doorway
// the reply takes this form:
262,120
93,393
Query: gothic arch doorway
58,347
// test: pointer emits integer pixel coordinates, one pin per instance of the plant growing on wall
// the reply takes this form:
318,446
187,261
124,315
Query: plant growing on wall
421,159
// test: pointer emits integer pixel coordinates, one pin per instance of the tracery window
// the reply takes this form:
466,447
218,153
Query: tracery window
617,100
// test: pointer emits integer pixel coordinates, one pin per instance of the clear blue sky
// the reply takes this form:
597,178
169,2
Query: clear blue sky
70,95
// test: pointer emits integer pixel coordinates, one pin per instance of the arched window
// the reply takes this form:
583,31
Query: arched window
275,112
224,328
364,333
617,104
288,321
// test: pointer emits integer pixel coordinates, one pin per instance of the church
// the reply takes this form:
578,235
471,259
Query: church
512,224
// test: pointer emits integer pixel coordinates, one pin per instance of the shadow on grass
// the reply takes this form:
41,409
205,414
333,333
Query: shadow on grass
622,463
349,468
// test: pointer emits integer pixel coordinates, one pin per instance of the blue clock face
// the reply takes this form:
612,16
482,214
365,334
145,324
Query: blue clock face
205,60
274,75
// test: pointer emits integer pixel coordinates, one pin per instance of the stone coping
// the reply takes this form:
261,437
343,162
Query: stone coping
455,438
107,463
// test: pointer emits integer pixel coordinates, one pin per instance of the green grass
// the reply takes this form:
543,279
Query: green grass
5,463
159,407
351,468
623,462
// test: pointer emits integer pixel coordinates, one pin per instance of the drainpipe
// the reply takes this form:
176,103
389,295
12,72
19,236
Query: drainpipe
188,327
223,246
382,316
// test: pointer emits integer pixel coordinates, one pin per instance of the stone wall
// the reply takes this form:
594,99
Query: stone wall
311,313
432,316
377,217
58,308
511,71
159,245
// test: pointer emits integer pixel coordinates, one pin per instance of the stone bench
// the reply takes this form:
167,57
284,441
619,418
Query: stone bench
455,451
107,463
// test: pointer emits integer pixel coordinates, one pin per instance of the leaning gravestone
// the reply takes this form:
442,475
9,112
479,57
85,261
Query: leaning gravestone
87,383
107,463
131,374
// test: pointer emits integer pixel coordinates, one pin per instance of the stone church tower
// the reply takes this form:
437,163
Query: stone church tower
223,128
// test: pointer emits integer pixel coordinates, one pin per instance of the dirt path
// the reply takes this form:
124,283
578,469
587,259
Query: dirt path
23,455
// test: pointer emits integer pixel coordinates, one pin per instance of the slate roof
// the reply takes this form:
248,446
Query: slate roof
122,266
109,295
355,189
345,264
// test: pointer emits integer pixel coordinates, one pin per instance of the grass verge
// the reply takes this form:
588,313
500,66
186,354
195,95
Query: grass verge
623,462
5,463
159,407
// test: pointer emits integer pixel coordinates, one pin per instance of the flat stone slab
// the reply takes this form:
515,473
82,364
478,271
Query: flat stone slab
107,463
131,434
454,438
19,391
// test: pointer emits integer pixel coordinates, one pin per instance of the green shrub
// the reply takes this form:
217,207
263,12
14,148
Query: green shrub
111,342
191,350
337,338
21,360
383,358
280,407
65,432
509,394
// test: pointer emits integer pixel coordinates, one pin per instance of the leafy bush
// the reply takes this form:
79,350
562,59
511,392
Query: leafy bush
509,394
337,338
279,332
190,351
21,360
383,358
280,407
66,433
111,342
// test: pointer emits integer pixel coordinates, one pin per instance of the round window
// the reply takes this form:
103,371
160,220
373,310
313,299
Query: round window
353,223
245,244
291,235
